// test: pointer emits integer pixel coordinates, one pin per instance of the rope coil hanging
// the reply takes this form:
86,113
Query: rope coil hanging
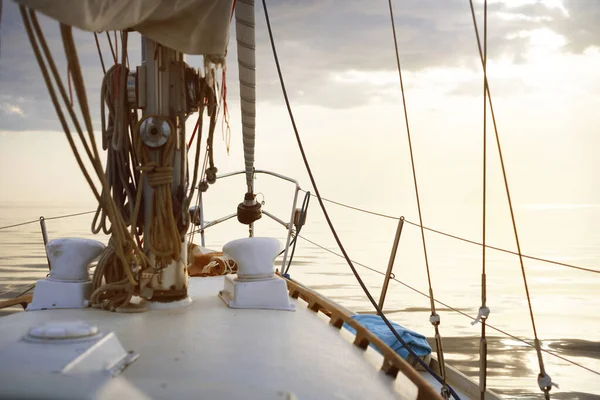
122,179
126,252
162,238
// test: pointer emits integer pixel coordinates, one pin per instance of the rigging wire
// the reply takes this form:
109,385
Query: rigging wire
484,311
544,380
328,219
112,49
460,238
47,219
453,309
376,214
100,53
434,318
300,224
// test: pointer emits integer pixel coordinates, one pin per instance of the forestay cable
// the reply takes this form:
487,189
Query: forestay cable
328,219
245,27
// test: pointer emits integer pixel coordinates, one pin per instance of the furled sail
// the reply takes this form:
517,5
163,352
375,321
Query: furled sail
246,42
188,26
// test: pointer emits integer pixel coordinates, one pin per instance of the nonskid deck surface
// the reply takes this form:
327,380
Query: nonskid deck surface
206,347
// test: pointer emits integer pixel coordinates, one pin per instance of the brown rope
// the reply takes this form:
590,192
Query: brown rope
126,250
29,20
542,373
123,243
100,53
112,49
483,310
120,176
162,238
434,319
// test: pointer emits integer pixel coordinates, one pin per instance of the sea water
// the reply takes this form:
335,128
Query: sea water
564,300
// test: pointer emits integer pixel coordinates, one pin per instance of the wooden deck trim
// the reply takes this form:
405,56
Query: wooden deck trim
392,362
22,300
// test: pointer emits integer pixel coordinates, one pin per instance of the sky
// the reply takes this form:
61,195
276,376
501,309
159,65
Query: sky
340,70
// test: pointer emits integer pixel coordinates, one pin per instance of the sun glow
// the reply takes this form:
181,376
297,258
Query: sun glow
550,4
541,41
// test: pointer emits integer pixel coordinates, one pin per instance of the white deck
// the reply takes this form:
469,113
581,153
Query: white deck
207,350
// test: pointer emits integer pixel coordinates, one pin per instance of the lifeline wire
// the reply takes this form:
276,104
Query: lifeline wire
458,237
452,308
378,215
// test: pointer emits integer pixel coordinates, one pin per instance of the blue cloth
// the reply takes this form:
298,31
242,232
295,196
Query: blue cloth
375,324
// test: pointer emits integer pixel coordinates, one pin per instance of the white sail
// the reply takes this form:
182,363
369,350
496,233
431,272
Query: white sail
188,26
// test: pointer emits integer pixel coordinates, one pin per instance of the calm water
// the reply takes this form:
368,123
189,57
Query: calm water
565,301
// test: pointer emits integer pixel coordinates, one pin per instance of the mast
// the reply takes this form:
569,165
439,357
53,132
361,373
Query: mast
147,169
161,76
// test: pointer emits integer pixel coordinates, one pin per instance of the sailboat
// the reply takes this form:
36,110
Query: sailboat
142,327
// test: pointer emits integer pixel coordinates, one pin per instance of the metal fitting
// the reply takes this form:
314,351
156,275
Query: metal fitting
132,97
545,382
249,211
211,175
155,131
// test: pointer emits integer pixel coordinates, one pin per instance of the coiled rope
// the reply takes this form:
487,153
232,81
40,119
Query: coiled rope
121,178
163,236
128,255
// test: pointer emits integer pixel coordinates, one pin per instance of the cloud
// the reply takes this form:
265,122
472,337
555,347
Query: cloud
581,26
319,42
329,38
11,109
21,81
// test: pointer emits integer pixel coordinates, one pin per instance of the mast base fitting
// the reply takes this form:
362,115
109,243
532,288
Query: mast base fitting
211,175
249,211
167,296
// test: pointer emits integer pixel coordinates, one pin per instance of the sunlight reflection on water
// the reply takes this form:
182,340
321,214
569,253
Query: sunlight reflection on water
563,299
